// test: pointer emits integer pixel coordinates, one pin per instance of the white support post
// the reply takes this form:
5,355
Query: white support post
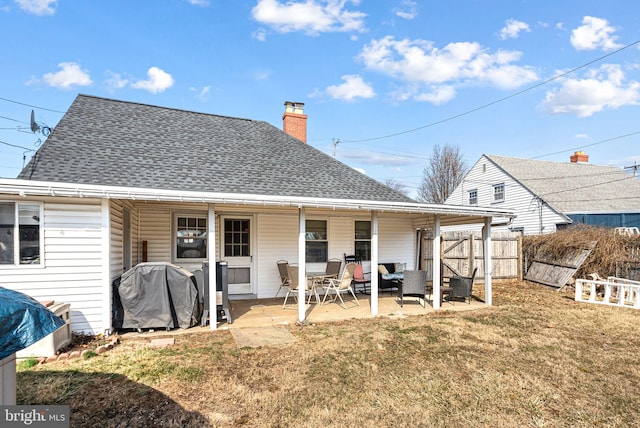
437,291
486,241
106,267
211,256
302,276
374,263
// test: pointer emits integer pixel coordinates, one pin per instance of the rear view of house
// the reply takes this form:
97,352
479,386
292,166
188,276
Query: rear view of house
119,183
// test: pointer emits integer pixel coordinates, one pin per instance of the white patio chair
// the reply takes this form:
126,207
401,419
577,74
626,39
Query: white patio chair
337,286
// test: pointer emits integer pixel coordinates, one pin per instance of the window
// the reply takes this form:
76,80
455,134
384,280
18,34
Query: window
317,246
498,192
473,197
191,237
363,240
20,233
236,238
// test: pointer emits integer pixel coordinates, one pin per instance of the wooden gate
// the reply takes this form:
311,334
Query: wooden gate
461,252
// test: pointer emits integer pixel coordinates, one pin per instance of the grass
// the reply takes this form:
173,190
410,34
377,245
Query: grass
534,359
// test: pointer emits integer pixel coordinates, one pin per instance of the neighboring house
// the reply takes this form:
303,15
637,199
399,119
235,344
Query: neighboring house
547,196
118,183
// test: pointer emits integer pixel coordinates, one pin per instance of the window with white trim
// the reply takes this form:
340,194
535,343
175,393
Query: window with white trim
498,192
191,236
20,233
473,197
317,244
363,240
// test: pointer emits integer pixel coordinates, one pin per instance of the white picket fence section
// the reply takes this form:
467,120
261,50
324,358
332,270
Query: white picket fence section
612,291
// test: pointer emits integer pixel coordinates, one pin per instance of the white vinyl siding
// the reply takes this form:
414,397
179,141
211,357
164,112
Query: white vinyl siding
72,271
397,241
155,228
483,176
277,239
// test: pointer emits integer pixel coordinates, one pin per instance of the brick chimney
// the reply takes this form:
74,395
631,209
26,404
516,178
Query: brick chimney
579,157
294,121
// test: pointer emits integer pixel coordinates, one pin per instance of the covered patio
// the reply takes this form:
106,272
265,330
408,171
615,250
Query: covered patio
269,312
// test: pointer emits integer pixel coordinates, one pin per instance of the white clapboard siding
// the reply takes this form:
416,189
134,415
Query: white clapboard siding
277,239
155,228
482,177
72,269
116,243
341,237
396,241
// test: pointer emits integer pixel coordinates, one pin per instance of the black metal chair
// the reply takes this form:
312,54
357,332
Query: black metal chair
461,287
414,284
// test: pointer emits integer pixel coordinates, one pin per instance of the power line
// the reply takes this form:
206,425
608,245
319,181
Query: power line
13,120
496,101
32,106
588,145
17,146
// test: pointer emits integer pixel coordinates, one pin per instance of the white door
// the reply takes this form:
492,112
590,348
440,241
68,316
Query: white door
236,250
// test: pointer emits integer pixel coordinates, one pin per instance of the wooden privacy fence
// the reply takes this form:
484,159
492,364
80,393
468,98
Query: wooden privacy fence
461,252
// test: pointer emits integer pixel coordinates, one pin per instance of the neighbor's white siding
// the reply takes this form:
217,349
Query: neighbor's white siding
72,270
482,177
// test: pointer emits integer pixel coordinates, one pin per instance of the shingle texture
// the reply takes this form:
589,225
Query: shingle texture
575,187
108,142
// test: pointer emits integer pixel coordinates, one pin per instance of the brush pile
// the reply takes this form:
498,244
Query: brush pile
613,255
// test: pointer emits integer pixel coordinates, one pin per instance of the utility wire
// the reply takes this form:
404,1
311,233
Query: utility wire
13,120
15,145
496,101
32,106
588,145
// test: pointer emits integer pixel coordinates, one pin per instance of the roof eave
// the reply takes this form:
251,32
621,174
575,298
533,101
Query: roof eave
58,189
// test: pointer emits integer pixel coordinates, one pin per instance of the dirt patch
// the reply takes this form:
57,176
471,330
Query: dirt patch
262,336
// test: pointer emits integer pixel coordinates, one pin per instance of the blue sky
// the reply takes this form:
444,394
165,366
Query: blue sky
382,81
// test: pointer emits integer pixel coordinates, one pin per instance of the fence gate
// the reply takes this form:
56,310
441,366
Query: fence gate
461,252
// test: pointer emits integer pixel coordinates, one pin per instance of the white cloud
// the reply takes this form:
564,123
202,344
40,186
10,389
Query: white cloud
604,88
512,29
70,75
115,81
352,88
407,10
583,136
593,34
310,16
422,66
201,93
38,7
158,81
202,3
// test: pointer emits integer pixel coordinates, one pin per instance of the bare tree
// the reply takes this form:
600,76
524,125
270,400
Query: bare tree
396,185
442,174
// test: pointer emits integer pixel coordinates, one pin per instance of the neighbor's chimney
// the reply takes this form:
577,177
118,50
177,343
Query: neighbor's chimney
294,120
579,157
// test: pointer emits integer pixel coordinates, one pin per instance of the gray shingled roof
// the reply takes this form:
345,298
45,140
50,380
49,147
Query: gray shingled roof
108,142
575,187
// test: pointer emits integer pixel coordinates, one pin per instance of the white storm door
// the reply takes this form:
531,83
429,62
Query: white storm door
237,247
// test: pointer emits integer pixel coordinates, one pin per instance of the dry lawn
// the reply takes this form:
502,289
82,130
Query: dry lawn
534,359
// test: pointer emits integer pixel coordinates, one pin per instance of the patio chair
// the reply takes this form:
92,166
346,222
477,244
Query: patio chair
292,271
343,284
284,275
414,284
461,287
333,267
359,278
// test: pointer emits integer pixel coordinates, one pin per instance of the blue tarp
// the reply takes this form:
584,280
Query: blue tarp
23,321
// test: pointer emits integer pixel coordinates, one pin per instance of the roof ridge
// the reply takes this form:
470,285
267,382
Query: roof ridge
165,108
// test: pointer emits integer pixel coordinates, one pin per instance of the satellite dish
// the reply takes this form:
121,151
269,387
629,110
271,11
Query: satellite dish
34,126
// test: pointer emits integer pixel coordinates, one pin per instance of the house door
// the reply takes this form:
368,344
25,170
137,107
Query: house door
237,246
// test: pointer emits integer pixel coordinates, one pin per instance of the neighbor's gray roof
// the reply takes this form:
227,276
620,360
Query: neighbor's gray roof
116,143
575,187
